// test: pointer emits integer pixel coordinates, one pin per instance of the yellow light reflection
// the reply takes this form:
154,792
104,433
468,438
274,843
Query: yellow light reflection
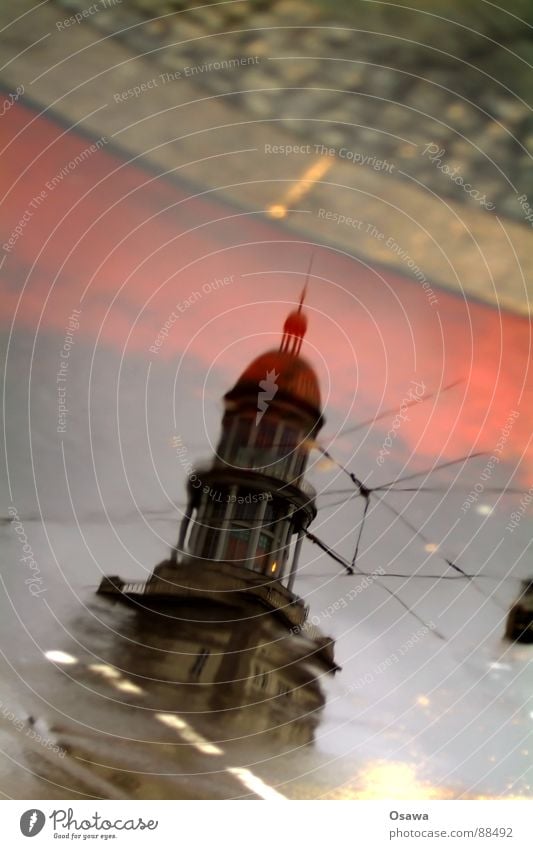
105,670
60,657
301,187
255,784
399,781
188,733
127,687
273,567
382,780
277,210
324,465
423,701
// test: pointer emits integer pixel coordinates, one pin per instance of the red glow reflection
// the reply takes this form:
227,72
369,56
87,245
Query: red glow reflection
133,247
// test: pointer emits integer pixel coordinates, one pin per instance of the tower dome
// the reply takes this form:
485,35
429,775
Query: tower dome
293,377
284,372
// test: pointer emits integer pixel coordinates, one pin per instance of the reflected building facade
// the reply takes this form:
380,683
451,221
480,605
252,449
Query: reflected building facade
228,626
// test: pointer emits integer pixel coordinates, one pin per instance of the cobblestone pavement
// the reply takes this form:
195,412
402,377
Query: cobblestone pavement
224,100
448,104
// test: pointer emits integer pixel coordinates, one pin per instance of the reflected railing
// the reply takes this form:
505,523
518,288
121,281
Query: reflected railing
269,463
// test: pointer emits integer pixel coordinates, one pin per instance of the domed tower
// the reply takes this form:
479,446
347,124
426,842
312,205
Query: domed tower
248,509
250,506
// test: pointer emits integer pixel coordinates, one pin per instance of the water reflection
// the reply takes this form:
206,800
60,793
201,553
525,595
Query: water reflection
178,702
235,675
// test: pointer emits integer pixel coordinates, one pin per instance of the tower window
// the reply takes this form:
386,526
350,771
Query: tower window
237,544
245,510
264,542
217,505
266,433
274,511
240,439
289,439
210,545
299,466
261,558
199,663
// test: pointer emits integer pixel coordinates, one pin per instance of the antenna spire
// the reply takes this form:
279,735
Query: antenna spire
306,284
296,322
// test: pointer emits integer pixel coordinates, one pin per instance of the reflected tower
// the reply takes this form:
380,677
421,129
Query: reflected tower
249,507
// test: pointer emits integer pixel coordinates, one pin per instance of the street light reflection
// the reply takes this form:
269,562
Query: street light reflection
127,687
60,657
255,784
105,670
189,734
310,176
382,780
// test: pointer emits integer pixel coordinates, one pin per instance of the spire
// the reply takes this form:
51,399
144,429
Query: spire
296,322
304,290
